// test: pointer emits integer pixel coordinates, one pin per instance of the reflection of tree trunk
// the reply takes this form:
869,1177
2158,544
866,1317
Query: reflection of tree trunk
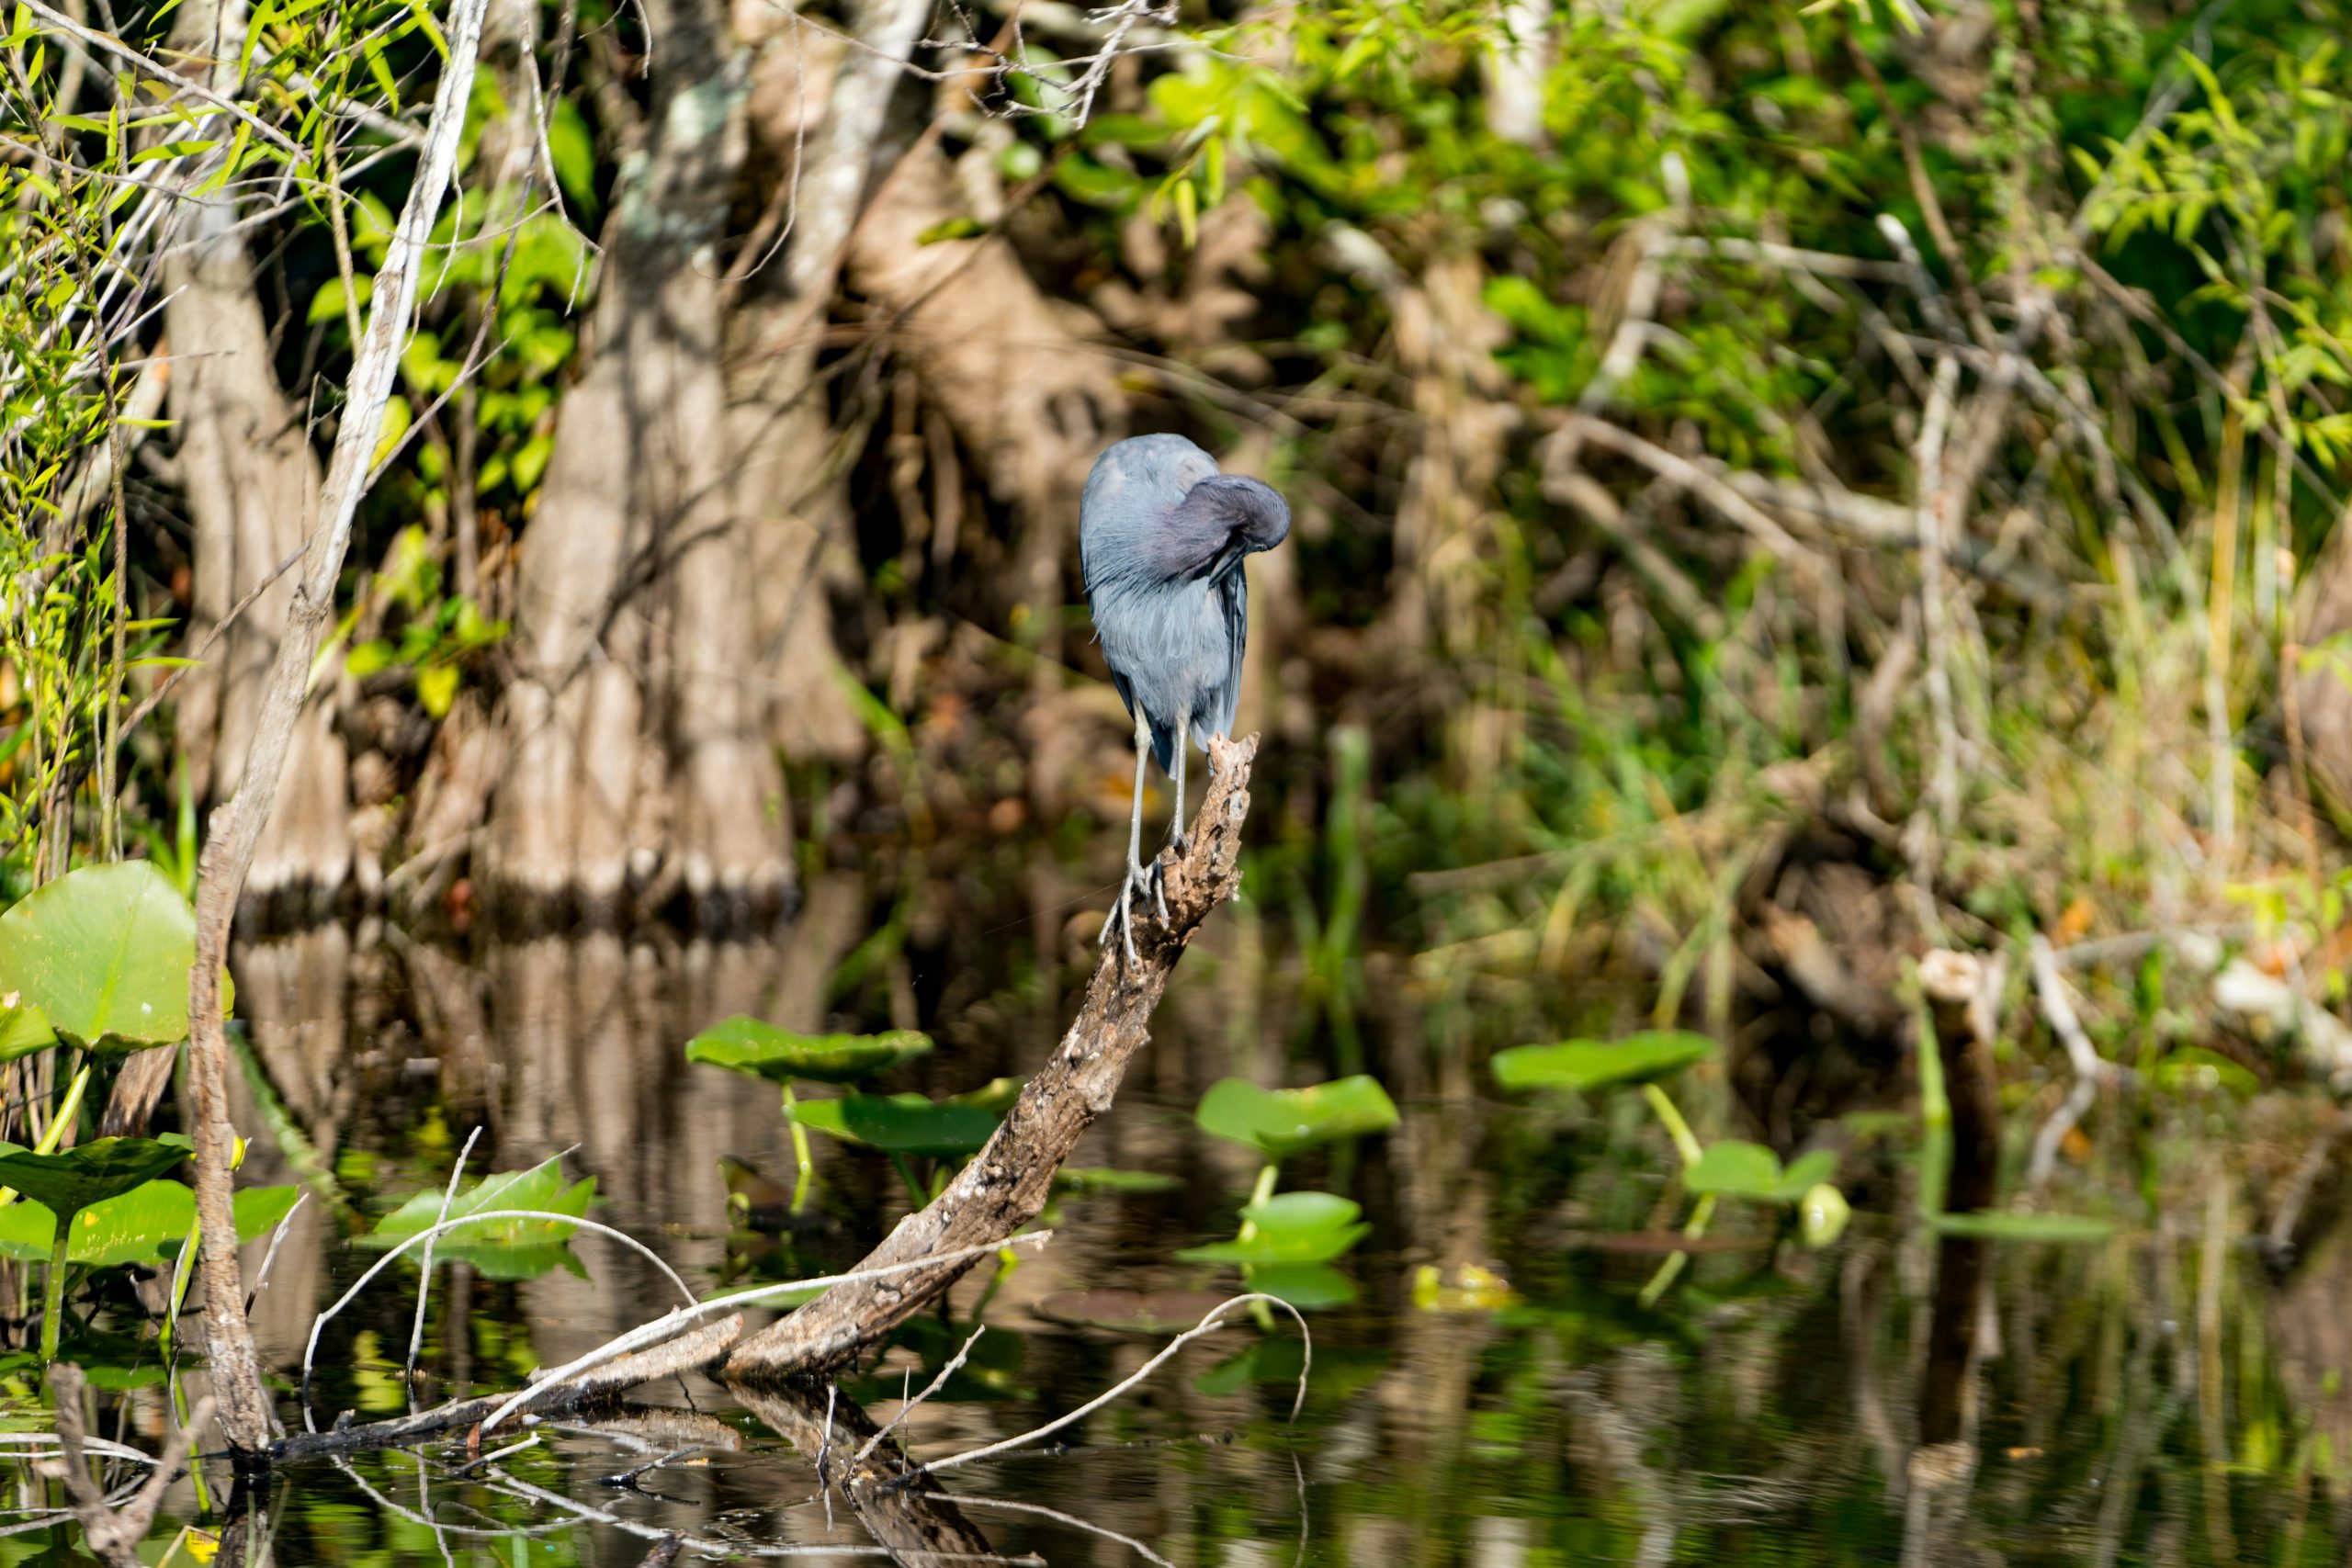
251,482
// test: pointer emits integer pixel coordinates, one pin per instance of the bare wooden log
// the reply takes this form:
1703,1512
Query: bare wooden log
1005,1185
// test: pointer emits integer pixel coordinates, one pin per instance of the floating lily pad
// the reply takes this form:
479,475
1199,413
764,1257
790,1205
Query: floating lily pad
104,953
72,1179
1290,1228
1085,1179
1594,1063
499,1249
2000,1225
1280,1123
899,1123
762,1050
1736,1169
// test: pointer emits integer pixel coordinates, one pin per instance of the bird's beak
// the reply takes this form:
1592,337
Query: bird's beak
1227,561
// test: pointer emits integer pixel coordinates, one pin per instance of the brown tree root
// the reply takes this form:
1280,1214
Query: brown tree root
1005,1185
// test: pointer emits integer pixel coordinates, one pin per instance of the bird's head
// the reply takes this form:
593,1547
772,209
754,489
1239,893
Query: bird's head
1225,517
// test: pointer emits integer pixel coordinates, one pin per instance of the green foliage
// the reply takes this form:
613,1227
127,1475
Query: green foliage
145,1226
762,1050
104,954
73,1179
1284,1122
1734,1168
1290,1228
899,1123
1586,1064
499,1248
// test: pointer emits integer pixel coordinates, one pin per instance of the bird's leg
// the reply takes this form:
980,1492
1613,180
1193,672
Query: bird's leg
1136,880
1176,834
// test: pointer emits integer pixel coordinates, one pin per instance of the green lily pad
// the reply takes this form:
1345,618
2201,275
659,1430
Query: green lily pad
146,1225
2001,1224
1736,1169
72,1179
1280,1123
1585,1065
1290,1228
1309,1287
103,953
762,1050
498,1249
899,1123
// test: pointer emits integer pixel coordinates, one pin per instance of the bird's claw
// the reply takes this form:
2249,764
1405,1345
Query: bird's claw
1121,913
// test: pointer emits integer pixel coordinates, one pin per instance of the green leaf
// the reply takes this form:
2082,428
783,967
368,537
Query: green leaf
501,1249
762,1050
899,1123
145,1225
1291,1227
1594,1063
1280,1123
104,953
1309,1287
1736,1169
1082,1179
437,689
326,305
952,229
2001,1224
24,1028
72,1179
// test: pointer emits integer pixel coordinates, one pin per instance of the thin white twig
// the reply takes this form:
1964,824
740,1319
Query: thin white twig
276,1240
1130,1542
668,1325
905,1407
425,1275
1209,1325
310,1351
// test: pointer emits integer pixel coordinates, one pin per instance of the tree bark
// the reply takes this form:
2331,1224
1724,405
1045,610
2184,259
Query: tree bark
235,829
251,482
1005,1185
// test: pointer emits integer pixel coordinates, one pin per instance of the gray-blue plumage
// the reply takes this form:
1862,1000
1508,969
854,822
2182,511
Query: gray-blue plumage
1162,538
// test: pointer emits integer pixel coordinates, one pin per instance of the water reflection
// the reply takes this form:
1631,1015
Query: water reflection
2157,1396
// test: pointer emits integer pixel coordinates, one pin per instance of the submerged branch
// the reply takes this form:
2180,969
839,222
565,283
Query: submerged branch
1005,1185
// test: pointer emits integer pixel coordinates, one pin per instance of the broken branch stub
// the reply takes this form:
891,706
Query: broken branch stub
1005,1185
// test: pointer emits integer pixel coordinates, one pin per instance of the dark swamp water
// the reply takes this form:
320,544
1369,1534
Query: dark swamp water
2162,1396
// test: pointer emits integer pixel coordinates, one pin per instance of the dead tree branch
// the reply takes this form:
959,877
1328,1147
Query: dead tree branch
1004,1187
235,828
113,1535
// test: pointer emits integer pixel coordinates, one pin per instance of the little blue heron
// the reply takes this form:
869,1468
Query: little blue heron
1160,539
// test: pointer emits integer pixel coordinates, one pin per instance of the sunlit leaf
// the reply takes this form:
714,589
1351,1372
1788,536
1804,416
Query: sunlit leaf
899,1123
1280,1123
501,1249
762,1050
104,951
1290,1228
1595,1064
72,1179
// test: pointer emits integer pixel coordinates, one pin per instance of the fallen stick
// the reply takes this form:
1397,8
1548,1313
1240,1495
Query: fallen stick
112,1535
1005,1185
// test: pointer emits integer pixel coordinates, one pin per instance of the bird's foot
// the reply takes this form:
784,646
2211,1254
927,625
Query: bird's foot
1122,916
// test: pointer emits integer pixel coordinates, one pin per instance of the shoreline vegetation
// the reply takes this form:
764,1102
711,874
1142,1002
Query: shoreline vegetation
1820,563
